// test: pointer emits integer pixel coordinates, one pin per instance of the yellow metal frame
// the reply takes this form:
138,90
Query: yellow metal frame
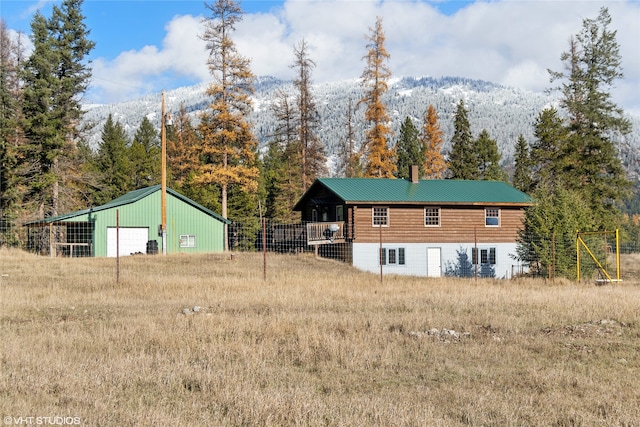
579,242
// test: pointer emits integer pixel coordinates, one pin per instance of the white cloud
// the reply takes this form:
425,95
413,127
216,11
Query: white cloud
182,57
183,50
507,42
526,74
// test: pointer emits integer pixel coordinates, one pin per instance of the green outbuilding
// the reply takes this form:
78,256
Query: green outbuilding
131,224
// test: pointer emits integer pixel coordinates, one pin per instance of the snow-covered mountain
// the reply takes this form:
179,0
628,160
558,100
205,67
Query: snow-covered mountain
505,112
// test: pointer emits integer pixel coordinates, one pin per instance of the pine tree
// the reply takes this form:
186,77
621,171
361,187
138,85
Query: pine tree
379,161
183,146
547,151
278,185
313,156
522,175
182,143
409,151
348,156
593,64
55,76
283,165
547,241
577,175
144,155
463,159
11,138
434,163
489,158
228,148
41,126
88,179
112,162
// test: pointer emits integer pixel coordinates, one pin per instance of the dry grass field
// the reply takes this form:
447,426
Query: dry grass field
203,340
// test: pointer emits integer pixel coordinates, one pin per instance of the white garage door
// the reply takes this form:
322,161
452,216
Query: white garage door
130,240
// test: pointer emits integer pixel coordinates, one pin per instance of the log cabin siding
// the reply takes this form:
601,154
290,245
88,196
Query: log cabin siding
457,224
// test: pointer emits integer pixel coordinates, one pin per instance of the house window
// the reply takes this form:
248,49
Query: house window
492,217
187,241
432,217
380,217
401,256
487,256
314,215
392,256
339,213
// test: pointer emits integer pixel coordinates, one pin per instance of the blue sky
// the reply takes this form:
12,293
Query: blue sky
145,46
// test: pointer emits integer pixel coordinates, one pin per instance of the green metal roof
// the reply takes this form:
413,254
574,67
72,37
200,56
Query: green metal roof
401,191
130,197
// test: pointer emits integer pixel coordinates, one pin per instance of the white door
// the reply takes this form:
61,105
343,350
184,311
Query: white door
434,262
130,240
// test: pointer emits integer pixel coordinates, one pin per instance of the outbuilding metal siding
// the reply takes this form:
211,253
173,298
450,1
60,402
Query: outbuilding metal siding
142,208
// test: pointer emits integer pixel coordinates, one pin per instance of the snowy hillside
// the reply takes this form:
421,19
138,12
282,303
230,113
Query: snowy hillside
504,112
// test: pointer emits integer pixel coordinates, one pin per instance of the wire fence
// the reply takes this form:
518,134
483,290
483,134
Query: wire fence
482,254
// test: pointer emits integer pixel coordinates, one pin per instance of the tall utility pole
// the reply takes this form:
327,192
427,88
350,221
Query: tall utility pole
163,141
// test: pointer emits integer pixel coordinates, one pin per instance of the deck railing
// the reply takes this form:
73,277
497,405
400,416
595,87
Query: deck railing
325,232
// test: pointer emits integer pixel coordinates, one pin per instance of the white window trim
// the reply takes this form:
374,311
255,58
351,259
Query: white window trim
477,260
439,216
373,210
186,239
398,256
486,216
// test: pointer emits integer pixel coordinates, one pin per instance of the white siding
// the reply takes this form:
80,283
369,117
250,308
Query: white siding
366,257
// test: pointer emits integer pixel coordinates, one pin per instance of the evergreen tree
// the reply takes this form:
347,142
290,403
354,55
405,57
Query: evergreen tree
378,156
522,175
313,157
88,179
409,151
144,154
55,76
463,159
42,127
462,267
283,165
578,176
183,147
489,158
547,151
228,150
547,241
112,162
349,157
593,64
434,163
277,204
10,137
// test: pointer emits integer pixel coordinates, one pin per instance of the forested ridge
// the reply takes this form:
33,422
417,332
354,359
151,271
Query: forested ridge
505,112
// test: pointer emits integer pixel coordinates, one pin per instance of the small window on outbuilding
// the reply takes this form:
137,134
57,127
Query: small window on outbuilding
187,241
